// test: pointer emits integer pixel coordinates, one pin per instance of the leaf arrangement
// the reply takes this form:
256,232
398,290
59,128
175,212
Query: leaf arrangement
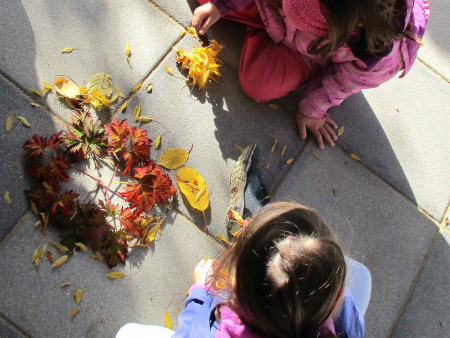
105,226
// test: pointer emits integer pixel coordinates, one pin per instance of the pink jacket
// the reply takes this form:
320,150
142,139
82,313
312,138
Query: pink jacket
343,74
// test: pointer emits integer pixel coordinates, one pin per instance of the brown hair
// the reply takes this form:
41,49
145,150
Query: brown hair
285,269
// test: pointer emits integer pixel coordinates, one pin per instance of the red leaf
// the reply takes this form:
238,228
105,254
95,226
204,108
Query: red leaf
117,133
35,145
54,141
130,222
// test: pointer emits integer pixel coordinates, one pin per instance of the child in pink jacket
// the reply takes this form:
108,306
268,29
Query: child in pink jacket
335,47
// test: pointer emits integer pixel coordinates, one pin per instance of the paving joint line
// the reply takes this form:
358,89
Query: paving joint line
25,216
433,70
413,284
13,326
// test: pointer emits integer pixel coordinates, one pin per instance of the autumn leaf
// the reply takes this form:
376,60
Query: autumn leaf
24,121
66,88
118,91
157,141
273,106
191,31
49,256
137,112
149,87
123,106
9,122
223,239
355,157
283,150
238,148
34,104
60,247
115,274
167,321
7,197
60,260
74,311
127,49
37,92
315,156
136,88
273,146
144,119
114,98
102,82
47,87
63,285
173,158
67,50
37,255
82,246
396,107
194,187
340,131
77,296
169,71
98,256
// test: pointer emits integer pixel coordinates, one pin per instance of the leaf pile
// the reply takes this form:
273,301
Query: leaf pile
105,227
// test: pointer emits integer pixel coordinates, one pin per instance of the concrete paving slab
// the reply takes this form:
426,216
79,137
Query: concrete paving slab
7,331
157,278
426,313
436,49
14,180
407,147
32,35
214,120
377,225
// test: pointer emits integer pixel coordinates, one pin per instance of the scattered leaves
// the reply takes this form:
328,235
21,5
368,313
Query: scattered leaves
37,255
49,256
63,285
47,87
34,104
194,187
102,82
9,122
127,49
118,91
74,311
66,88
157,141
223,239
340,131
77,296
290,161
82,246
60,260
7,197
98,256
67,50
137,112
273,146
173,158
37,92
136,88
238,148
273,106
144,119
123,106
355,157
315,155
115,274
168,70
149,87
283,150
60,247
24,121
396,107
167,321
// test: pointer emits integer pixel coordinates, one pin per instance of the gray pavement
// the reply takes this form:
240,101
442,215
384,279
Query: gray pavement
389,210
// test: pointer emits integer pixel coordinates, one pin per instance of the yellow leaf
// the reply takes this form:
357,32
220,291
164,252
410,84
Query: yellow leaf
194,187
183,33
136,88
60,260
34,104
69,103
237,216
44,218
98,256
219,236
82,246
114,98
340,131
137,112
167,321
37,255
128,59
266,166
191,31
157,141
395,107
238,148
123,106
63,285
149,87
34,208
144,119
37,92
115,274
77,296
24,121
206,259
67,50
273,147
9,122
127,49
169,71
66,88
273,106
355,157
315,156
47,87
290,161
7,197
102,82
118,91
173,158
283,150
74,311
150,236
60,247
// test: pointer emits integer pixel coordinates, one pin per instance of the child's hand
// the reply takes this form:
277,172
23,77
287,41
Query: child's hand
320,128
204,17
203,270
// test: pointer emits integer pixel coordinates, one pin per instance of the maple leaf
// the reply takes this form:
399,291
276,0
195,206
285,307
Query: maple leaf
117,133
130,221
65,203
35,145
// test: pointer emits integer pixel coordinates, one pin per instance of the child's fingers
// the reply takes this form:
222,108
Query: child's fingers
205,25
327,136
330,131
318,137
329,120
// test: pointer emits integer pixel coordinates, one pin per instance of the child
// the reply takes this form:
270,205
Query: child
283,277
337,47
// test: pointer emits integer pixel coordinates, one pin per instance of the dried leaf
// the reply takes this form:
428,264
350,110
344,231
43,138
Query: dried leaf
266,166
74,311
144,119
60,260
395,107
9,122
77,296
290,161
315,156
82,246
273,147
123,106
63,285
167,321
47,87
273,106
127,49
37,92
37,255
149,87
115,274
136,88
206,259
49,256
340,131
173,158
283,150
191,31
24,121
67,50
98,256
66,88
355,157
223,239
69,103
34,104
194,187
169,71
137,112
114,98
238,148
102,82
118,91
183,33
34,208
60,247
7,197
157,141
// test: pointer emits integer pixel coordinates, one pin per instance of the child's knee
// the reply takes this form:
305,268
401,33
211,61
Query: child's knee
254,88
